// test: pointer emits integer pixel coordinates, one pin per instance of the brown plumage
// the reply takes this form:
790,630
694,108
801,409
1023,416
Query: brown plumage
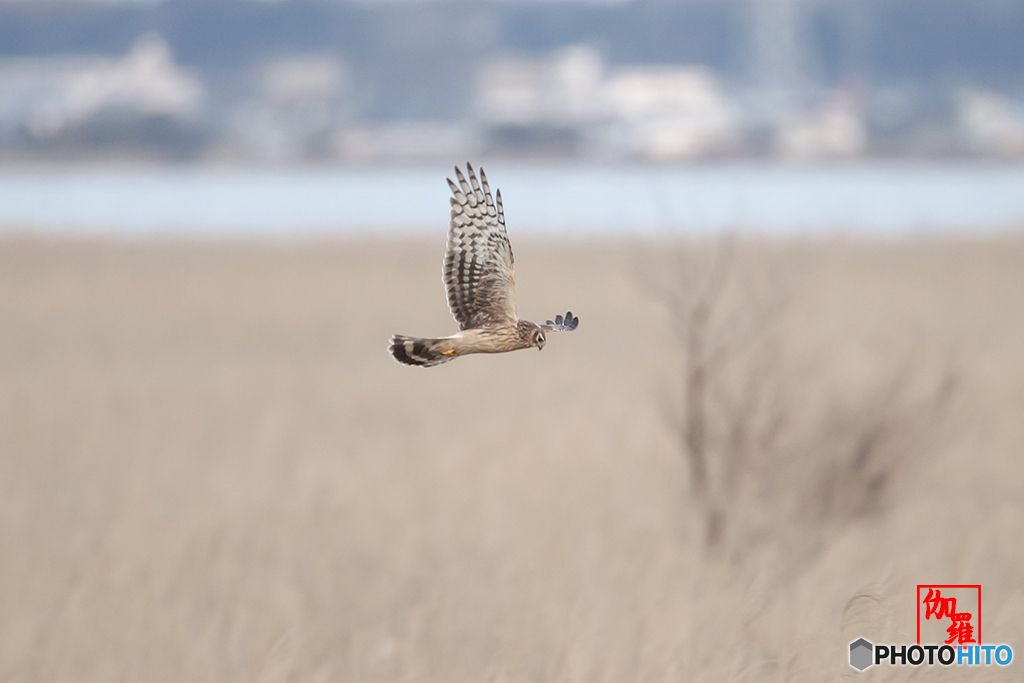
479,277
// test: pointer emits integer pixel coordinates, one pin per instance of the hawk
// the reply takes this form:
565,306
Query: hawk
479,276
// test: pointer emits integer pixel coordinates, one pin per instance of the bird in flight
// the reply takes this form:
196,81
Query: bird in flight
479,276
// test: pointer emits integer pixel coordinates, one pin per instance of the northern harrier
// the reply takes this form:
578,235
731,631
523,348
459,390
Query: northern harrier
479,275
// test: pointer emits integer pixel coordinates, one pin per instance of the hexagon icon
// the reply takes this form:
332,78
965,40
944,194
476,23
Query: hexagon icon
860,654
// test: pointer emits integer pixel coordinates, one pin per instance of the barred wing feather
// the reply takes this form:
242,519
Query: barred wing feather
479,270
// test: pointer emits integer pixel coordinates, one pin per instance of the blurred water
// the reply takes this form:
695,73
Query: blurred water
539,198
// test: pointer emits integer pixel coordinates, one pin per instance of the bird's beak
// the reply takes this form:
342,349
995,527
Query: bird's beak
540,346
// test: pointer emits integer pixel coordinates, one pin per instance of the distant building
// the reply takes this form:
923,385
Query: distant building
572,102
564,89
299,104
48,95
835,129
540,105
672,112
990,123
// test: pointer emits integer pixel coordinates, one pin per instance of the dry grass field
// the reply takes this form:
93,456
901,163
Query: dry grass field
211,470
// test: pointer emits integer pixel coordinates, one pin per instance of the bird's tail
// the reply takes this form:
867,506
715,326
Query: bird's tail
422,352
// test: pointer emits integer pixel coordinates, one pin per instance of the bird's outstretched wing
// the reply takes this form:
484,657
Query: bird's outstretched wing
479,271
560,324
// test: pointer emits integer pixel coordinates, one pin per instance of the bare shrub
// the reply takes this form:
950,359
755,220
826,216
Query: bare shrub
769,465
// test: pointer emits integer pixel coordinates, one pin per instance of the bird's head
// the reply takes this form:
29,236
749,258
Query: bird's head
537,338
